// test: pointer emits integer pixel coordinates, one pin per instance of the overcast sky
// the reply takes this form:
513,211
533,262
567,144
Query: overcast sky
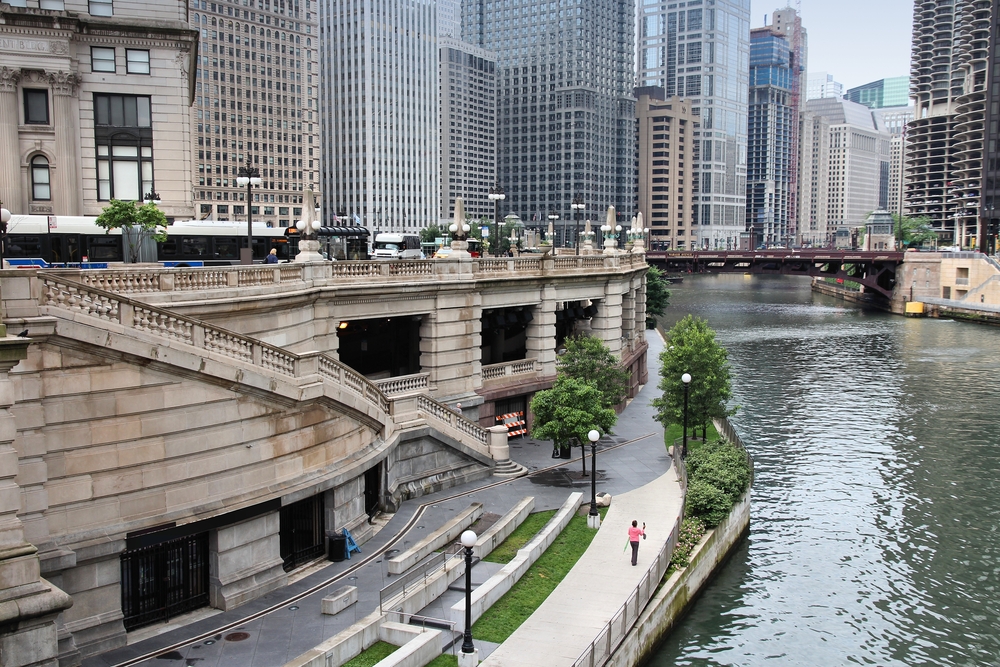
857,41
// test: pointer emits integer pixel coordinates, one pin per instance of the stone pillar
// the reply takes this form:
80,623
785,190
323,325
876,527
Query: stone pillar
499,448
450,340
628,313
245,561
10,166
67,188
540,335
29,605
607,324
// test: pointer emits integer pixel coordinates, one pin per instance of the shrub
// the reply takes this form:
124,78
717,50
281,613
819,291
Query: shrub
707,502
721,464
692,530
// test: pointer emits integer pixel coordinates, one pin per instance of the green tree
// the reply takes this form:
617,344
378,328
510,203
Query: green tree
431,232
589,360
657,296
136,223
568,411
691,348
913,231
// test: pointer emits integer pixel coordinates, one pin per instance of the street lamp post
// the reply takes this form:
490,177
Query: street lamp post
250,177
496,195
4,219
469,654
593,517
578,207
686,379
552,228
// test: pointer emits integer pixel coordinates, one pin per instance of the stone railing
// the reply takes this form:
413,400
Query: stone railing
147,279
404,384
78,299
441,412
508,369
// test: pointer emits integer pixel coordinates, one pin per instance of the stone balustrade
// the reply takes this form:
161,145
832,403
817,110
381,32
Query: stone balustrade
508,369
404,384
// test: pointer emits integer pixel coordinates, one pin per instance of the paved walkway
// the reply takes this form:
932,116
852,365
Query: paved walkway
283,624
600,583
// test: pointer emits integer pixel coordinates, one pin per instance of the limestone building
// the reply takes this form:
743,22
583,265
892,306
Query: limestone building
255,100
665,142
95,104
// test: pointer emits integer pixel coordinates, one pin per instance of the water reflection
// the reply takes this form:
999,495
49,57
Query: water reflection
874,534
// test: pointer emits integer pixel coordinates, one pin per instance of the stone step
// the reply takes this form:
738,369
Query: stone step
508,469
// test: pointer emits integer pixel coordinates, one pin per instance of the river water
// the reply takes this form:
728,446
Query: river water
875,521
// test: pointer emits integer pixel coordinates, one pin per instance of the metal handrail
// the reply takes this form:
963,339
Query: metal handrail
415,575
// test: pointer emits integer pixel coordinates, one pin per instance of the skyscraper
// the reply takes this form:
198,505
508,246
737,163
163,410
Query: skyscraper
821,84
565,111
701,53
892,92
379,109
255,98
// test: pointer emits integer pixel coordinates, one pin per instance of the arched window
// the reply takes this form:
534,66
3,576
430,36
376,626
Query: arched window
40,190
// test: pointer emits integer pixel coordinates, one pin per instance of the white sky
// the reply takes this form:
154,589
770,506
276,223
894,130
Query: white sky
857,41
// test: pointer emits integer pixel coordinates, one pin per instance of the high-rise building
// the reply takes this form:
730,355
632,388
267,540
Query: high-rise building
379,113
893,120
821,84
95,104
565,111
665,142
777,56
695,53
892,92
989,206
814,180
255,100
945,162
468,128
853,160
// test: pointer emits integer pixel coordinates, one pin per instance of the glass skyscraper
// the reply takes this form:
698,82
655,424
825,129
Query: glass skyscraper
565,110
893,92
701,52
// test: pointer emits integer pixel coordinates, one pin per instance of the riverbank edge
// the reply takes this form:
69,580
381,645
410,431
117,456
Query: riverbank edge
854,296
681,589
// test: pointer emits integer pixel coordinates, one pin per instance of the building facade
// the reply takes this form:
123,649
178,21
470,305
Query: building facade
821,84
565,111
891,92
468,128
256,103
701,53
665,142
379,108
95,104
814,181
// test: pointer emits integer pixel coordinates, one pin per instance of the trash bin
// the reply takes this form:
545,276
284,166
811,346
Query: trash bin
337,550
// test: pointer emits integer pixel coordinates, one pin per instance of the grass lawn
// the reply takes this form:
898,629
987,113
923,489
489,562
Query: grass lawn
500,620
675,432
444,660
372,655
523,534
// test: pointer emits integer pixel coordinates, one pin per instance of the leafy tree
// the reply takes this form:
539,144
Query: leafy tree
657,295
136,224
431,232
589,360
691,348
570,409
913,231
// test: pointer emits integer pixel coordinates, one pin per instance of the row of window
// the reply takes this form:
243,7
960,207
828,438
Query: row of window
102,59
96,8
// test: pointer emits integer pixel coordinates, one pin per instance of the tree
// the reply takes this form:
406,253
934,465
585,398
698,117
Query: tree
570,409
913,231
691,348
657,295
589,360
431,233
136,224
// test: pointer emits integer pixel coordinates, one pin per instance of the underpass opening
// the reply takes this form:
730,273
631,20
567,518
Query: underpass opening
381,348
504,334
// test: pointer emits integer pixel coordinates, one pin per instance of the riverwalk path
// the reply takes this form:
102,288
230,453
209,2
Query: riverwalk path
276,628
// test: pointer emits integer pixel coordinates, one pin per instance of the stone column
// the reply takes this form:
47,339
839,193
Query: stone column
29,605
628,313
607,324
450,340
540,335
640,307
10,165
67,187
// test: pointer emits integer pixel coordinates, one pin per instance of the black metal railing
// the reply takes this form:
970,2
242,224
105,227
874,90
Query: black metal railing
301,532
164,580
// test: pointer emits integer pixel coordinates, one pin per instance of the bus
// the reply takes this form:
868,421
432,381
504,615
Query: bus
336,243
397,246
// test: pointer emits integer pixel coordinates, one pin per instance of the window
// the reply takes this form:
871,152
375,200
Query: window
40,190
57,5
101,8
102,59
36,107
123,133
137,61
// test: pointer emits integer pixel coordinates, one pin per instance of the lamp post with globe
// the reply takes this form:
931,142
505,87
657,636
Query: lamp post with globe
593,517
469,656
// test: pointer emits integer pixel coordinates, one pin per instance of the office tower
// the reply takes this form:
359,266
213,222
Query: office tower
449,18
468,128
695,53
821,84
95,104
255,99
814,180
379,108
565,111
777,56
893,120
892,92
666,145
989,207
853,159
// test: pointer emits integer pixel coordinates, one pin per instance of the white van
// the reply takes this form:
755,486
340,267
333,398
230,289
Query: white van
397,246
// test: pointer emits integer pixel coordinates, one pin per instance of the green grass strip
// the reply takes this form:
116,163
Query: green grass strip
675,432
523,534
504,617
372,655
444,660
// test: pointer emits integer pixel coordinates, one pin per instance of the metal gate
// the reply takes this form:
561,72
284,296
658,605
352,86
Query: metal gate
164,580
301,532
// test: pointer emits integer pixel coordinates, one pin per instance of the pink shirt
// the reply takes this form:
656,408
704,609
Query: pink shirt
634,533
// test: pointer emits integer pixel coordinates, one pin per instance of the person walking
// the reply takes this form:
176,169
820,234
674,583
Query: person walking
634,533
272,257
